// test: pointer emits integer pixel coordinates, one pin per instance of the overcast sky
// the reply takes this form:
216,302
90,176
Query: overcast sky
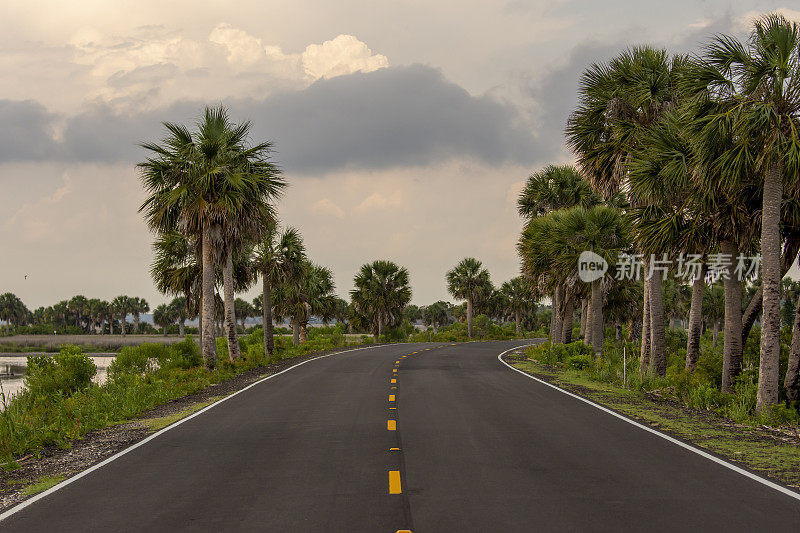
405,128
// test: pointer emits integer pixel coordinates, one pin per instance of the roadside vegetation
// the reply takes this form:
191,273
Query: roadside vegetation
60,402
686,192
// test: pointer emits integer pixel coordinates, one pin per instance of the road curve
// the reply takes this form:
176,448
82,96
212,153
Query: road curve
462,444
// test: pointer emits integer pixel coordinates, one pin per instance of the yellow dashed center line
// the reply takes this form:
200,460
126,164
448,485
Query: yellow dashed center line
394,370
391,425
391,397
394,380
394,449
394,482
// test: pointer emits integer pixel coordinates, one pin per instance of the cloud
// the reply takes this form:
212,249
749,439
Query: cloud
397,116
343,55
26,131
745,22
326,207
379,202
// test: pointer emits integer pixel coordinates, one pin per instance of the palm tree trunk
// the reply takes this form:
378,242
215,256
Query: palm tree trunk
566,321
587,334
771,281
181,328
122,324
644,352
792,380
266,316
558,303
732,341
584,307
136,323
164,330
230,311
695,322
715,333
209,339
658,331
469,317
517,321
597,317
303,333
200,323
788,257
295,332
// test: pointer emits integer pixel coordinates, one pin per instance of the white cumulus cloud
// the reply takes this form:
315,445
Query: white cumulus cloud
343,55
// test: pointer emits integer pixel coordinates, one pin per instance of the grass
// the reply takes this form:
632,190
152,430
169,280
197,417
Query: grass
42,485
157,423
744,444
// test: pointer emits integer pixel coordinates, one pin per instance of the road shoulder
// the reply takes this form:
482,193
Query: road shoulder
768,452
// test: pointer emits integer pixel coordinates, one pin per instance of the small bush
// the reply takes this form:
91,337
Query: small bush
138,360
185,354
580,361
65,373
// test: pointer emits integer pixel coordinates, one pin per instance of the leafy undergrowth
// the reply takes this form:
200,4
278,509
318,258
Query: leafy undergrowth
770,451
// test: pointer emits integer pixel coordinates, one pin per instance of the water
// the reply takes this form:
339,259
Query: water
12,371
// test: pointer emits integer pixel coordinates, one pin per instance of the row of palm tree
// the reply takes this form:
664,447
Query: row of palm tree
678,156
87,314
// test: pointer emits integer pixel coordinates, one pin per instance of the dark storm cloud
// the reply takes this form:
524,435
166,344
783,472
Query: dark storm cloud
25,132
391,117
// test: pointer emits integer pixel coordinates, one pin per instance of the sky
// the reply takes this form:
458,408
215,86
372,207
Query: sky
405,129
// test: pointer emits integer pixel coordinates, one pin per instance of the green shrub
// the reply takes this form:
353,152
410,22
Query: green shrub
185,354
580,361
141,359
65,373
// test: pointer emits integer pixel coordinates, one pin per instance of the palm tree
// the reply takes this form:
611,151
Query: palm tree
278,259
762,88
466,281
138,306
381,293
309,292
618,100
519,298
12,310
121,307
214,187
436,315
602,230
163,316
554,188
244,310
79,305
179,309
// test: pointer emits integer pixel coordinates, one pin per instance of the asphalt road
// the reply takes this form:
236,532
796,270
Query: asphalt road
477,447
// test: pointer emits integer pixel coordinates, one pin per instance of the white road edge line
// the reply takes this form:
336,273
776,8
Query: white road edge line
144,441
673,440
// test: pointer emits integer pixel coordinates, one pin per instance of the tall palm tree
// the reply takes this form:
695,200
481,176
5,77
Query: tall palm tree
619,99
215,187
309,293
278,258
762,85
520,298
553,188
603,230
466,281
381,293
